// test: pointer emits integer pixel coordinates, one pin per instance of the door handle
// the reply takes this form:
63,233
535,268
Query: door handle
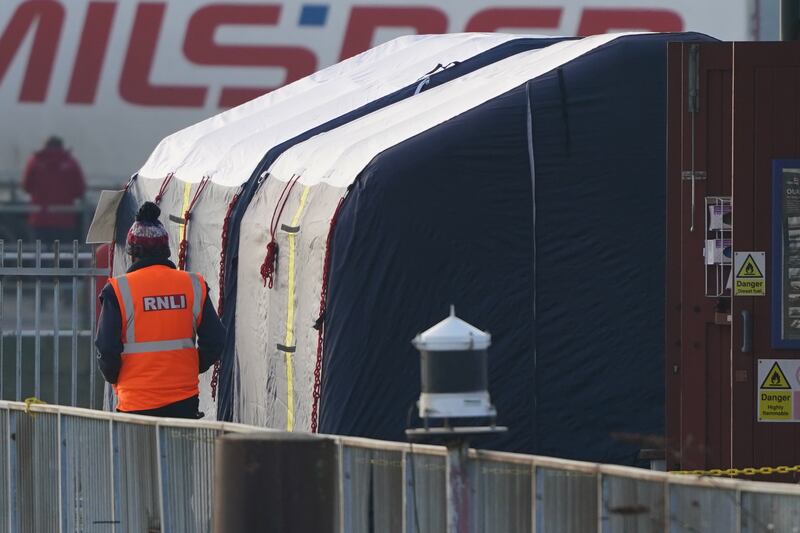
747,331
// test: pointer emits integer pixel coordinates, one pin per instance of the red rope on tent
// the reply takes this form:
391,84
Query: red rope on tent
268,266
320,324
220,305
163,187
223,253
184,245
270,259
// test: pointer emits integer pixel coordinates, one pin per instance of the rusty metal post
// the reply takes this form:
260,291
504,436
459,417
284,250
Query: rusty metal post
458,487
276,482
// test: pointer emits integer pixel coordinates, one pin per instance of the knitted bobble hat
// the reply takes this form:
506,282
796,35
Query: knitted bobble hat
147,237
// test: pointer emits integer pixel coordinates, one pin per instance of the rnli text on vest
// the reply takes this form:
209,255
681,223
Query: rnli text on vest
164,303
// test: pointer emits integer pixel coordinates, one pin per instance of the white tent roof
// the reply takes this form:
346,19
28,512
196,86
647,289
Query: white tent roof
229,146
336,157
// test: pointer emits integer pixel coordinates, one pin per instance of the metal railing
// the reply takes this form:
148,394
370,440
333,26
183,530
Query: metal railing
67,469
46,341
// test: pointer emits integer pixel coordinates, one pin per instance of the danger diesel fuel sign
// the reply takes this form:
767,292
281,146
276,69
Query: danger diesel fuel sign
748,268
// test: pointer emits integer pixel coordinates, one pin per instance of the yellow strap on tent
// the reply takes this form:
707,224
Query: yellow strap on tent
289,340
187,189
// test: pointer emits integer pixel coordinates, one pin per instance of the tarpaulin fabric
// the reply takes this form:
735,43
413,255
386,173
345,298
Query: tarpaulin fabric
232,396
563,265
269,324
228,146
336,156
454,226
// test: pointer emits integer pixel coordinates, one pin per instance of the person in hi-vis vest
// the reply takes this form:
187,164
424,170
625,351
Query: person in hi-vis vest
158,329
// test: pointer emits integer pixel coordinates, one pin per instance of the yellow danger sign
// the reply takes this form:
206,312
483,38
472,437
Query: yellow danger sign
775,379
773,405
749,270
778,393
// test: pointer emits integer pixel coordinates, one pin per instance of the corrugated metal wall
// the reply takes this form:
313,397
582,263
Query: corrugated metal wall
86,489
35,472
136,486
5,511
633,505
186,458
73,470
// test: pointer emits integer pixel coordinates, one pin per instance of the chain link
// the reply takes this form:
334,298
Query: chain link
222,259
320,324
750,471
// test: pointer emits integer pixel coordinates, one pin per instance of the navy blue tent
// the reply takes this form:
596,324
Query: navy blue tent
440,74
564,264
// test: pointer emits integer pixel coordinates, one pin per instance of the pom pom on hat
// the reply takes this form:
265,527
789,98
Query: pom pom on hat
149,212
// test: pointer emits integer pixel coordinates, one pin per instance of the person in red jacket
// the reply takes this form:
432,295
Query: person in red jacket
53,178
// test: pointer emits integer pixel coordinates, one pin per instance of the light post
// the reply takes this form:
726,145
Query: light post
454,382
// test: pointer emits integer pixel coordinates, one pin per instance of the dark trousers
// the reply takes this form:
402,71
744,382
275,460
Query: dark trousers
182,409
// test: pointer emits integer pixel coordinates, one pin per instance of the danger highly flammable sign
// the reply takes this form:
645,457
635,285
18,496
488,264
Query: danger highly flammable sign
748,269
778,392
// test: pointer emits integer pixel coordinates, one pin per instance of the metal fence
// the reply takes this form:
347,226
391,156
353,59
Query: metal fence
67,469
48,310
16,206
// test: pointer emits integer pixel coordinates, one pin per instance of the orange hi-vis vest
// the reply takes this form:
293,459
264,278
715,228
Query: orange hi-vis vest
161,309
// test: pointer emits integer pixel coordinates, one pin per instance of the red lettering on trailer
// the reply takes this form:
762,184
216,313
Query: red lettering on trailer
493,19
200,48
91,53
45,20
134,83
598,20
365,20
48,17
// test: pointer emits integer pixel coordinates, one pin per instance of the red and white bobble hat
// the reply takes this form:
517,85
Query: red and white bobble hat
147,236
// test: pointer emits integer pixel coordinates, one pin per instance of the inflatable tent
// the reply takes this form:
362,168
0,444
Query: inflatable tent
524,184
205,168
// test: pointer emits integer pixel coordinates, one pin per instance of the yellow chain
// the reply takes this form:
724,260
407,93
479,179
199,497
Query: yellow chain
764,470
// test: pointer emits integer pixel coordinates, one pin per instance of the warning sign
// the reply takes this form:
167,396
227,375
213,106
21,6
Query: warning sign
749,269
775,379
778,395
773,405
